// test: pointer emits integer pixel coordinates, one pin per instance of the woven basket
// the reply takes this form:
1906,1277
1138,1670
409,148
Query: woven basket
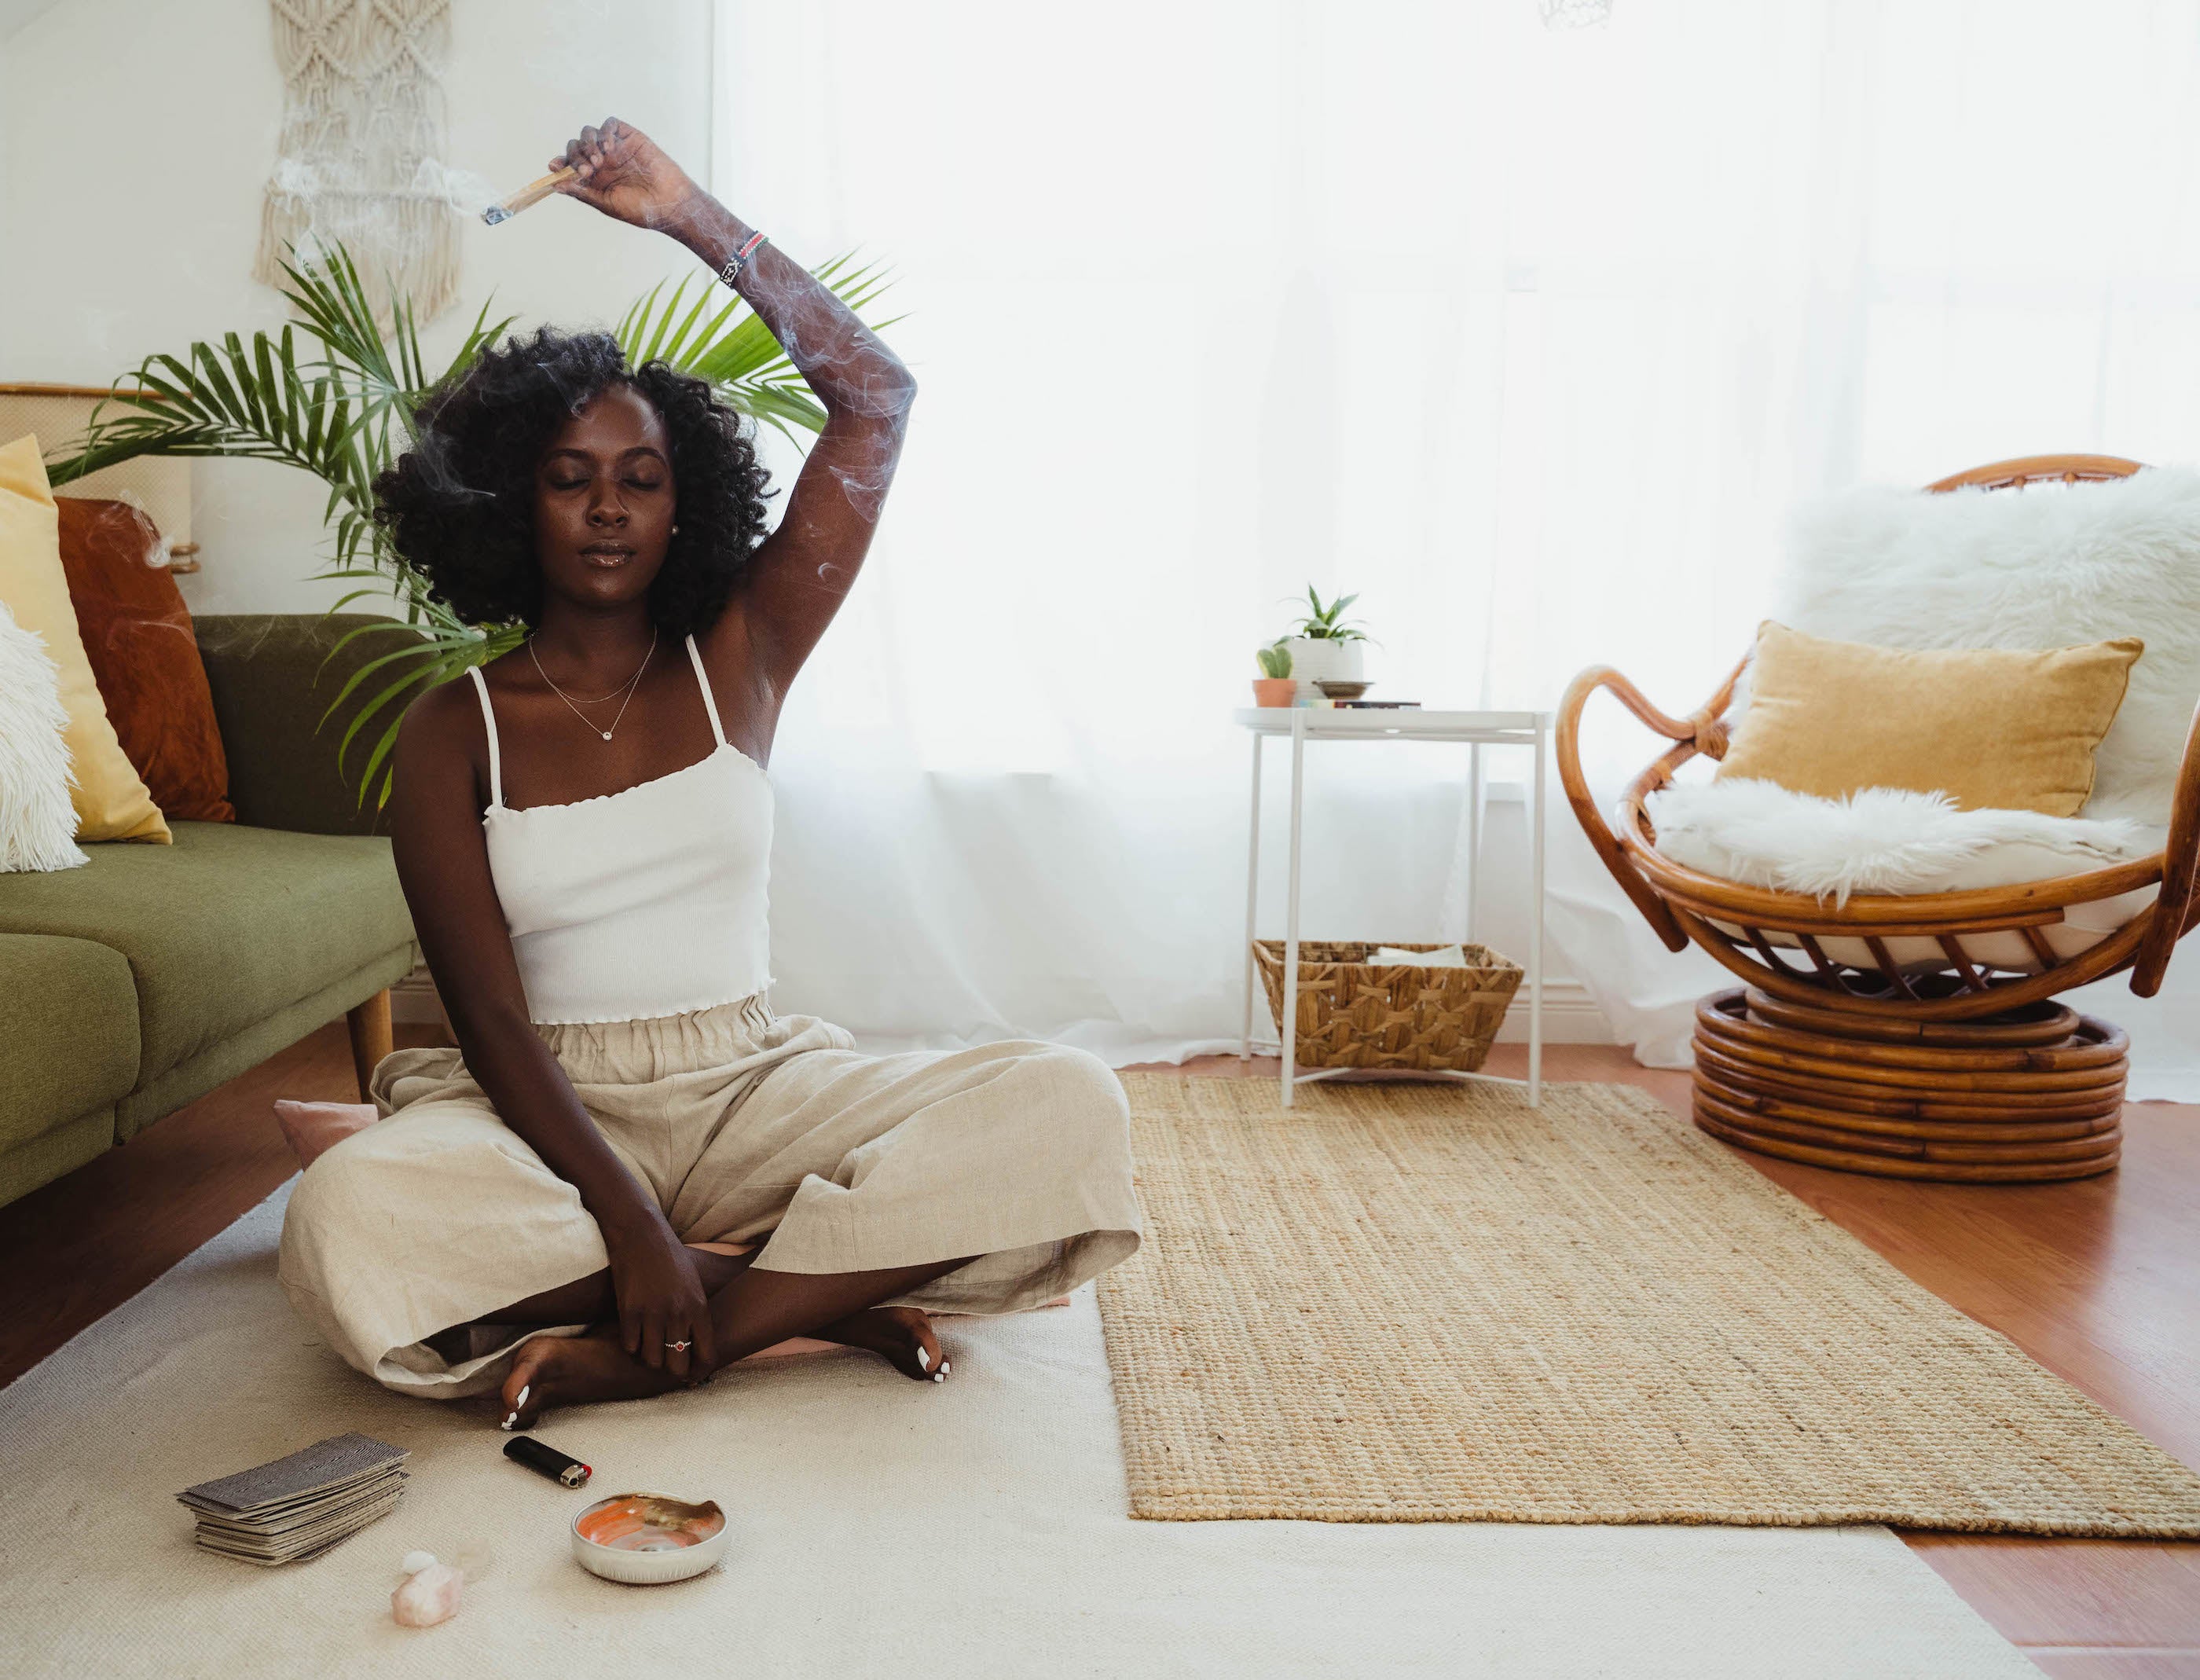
1353,1014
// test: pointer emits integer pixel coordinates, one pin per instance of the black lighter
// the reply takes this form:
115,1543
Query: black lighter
546,1460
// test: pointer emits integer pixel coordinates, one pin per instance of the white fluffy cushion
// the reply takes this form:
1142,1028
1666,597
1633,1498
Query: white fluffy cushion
38,822
1889,840
1880,839
2043,567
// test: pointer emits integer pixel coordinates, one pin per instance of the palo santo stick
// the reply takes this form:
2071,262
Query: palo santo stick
533,193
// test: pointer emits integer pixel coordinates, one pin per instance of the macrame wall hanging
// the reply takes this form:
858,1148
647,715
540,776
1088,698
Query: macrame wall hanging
360,159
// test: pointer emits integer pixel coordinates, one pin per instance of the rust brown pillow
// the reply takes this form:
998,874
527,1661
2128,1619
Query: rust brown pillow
138,636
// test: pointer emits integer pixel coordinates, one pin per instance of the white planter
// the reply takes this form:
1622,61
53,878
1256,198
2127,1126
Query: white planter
1320,660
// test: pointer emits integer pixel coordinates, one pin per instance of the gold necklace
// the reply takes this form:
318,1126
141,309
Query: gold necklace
629,686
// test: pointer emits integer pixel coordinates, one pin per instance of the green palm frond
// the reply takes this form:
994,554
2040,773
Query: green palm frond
727,344
333,394
261,401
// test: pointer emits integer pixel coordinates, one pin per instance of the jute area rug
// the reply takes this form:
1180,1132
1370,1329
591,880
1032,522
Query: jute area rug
963,1531
1433,1303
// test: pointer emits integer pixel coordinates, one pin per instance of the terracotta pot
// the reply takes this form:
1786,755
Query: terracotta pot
1274,690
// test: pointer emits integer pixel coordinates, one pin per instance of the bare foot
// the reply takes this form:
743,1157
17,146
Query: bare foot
574,1371
901,1335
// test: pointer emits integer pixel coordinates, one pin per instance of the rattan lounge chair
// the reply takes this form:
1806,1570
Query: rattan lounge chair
1909,1036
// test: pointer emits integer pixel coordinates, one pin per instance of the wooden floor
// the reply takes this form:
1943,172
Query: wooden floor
2100,1281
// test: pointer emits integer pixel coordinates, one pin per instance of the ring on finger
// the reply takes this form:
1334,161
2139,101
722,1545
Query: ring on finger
680,1346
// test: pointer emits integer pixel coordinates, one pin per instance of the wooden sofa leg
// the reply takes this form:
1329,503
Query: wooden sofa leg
370,1037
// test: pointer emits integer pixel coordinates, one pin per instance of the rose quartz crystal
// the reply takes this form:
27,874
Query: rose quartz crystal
428,1597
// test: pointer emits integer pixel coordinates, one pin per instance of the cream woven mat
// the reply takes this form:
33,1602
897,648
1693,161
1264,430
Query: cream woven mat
983,1519
1432,1303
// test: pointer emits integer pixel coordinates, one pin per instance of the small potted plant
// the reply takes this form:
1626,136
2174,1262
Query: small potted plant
1273,686
1327,645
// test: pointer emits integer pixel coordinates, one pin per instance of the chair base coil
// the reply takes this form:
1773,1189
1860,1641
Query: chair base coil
2031,1095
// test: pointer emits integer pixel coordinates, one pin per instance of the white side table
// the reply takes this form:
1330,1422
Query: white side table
1529,729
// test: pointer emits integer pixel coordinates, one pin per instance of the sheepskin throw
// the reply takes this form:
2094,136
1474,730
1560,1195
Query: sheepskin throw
360,157
1879,839
38,822
2043,567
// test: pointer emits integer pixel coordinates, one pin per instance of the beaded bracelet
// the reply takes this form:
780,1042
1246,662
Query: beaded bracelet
740,260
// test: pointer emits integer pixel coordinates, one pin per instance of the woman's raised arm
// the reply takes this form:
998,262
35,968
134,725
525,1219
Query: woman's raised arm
800,574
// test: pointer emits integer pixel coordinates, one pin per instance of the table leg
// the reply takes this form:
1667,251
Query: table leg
1474,844
1536,932
1252,901
1288,1028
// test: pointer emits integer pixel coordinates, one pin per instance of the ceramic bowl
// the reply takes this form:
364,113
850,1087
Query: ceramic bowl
644,1538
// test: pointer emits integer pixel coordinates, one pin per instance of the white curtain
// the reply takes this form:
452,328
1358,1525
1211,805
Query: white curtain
1530,336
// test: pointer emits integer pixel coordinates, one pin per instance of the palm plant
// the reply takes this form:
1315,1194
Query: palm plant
333,394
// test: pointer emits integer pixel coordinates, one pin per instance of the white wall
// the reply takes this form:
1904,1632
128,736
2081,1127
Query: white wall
135,139
140,133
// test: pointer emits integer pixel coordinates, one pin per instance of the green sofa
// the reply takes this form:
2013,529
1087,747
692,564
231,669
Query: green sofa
143,980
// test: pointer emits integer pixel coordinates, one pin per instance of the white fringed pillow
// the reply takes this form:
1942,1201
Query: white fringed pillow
1877,840
38,822
2044,567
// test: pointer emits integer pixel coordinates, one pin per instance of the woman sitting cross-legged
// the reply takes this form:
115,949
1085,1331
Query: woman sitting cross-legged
582,832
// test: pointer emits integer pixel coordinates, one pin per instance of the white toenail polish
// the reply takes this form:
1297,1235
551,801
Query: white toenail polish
945,1365
939,1376
511,1420
923,1360
524,1390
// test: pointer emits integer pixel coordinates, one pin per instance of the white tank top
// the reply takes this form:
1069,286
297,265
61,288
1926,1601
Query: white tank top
650,901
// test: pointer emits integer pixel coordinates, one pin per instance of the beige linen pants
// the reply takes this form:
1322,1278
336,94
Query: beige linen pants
746,1127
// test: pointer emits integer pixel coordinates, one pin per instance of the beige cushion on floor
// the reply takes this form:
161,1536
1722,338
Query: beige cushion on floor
1999,729
111,800
313,1129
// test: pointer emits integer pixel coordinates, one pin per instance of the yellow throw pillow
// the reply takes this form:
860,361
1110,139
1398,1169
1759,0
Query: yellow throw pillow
1994,729
111,801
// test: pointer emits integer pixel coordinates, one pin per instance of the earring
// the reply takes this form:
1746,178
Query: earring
675,530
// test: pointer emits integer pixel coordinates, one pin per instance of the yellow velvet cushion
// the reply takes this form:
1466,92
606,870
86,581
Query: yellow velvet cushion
1994,729
111,801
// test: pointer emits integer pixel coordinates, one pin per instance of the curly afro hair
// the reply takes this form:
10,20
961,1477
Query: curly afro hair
460,505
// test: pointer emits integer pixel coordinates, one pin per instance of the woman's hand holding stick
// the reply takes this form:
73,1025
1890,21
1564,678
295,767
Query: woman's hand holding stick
796,581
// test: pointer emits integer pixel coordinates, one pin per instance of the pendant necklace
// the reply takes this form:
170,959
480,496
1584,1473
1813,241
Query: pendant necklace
628,686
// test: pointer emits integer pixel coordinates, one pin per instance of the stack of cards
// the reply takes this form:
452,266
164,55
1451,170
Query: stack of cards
299,1507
